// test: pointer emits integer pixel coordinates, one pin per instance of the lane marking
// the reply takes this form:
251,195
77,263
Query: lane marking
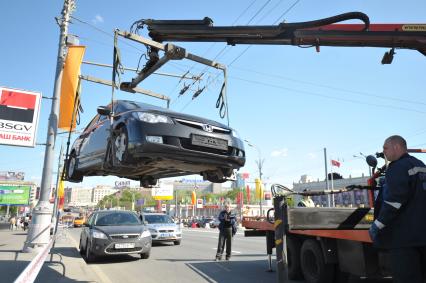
101,275
200,230
205,276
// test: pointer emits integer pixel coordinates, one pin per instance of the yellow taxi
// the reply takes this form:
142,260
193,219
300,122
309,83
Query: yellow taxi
79,221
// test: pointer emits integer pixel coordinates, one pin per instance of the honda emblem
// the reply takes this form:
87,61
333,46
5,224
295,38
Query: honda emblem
208,128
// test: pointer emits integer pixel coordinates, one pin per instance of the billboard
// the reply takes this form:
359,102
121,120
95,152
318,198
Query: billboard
11,176
19,111
15,195
163,192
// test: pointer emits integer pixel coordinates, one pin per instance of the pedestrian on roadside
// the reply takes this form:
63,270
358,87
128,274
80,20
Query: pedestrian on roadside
18,223
400,226
12,222
227,229
26,222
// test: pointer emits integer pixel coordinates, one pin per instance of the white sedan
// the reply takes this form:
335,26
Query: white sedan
163,228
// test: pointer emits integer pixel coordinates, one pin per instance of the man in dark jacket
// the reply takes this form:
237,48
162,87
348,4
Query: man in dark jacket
400,225
227,229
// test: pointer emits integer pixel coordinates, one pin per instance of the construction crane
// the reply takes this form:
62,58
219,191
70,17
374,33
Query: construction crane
323,244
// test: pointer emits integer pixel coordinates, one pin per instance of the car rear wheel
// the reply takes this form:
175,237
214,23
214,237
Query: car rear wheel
218,176
148,182
177,242
120,145
145,255
72,174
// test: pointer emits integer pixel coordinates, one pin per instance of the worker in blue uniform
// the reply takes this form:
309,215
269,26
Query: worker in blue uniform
401,222
227,230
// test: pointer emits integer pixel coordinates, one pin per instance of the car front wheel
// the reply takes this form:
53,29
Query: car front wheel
120,145
177,243
89,255
145,255
72,174
80,247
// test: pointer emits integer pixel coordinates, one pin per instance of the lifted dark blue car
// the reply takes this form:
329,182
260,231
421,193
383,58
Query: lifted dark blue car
146,143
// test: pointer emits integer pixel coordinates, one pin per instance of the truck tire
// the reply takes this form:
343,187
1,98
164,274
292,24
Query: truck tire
294,246
314,268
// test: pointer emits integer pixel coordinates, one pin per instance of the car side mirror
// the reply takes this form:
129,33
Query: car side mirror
145,222
86,224
102,110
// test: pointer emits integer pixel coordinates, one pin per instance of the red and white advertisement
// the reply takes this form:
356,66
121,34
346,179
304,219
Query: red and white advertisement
19,113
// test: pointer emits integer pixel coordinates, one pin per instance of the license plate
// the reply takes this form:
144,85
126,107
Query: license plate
209,142
125,246
166,235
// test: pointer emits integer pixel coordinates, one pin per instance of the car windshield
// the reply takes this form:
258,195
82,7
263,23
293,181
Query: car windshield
117,219
158,219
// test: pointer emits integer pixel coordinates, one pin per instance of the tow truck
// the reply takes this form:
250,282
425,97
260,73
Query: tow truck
323,244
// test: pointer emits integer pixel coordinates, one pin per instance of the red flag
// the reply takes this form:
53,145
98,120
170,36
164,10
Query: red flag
335,163
248,194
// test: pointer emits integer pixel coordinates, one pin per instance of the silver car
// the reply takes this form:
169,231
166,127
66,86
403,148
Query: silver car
163,228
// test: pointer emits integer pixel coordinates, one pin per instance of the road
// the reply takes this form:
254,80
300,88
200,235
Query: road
192,261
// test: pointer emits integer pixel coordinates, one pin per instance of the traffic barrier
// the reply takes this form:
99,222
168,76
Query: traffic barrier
31,271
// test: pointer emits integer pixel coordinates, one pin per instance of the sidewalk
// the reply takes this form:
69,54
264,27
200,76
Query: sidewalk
13,261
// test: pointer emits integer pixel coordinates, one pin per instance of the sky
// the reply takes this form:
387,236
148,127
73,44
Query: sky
289,102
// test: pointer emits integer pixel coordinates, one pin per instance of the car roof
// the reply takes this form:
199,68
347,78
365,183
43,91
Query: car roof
151,213
113,211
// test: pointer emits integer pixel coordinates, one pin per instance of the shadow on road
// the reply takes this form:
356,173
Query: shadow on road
10,270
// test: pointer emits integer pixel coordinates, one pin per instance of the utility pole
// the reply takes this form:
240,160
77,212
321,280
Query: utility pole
55,195
326,176
39,232
176,205
259,163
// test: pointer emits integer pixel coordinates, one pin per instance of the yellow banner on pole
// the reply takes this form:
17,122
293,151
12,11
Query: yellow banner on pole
61,194
68,102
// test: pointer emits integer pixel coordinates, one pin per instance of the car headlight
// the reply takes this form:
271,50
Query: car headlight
99,235
153,118
145,234
152,231
235,134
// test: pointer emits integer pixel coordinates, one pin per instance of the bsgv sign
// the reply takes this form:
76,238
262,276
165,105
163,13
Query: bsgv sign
19,112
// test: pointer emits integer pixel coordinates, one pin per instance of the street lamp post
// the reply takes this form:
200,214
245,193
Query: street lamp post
259,163
362,156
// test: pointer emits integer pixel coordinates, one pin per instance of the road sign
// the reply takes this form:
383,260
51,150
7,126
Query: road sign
19,112
199,203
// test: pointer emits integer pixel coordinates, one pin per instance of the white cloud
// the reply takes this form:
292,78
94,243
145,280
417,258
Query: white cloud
98,19
280,152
